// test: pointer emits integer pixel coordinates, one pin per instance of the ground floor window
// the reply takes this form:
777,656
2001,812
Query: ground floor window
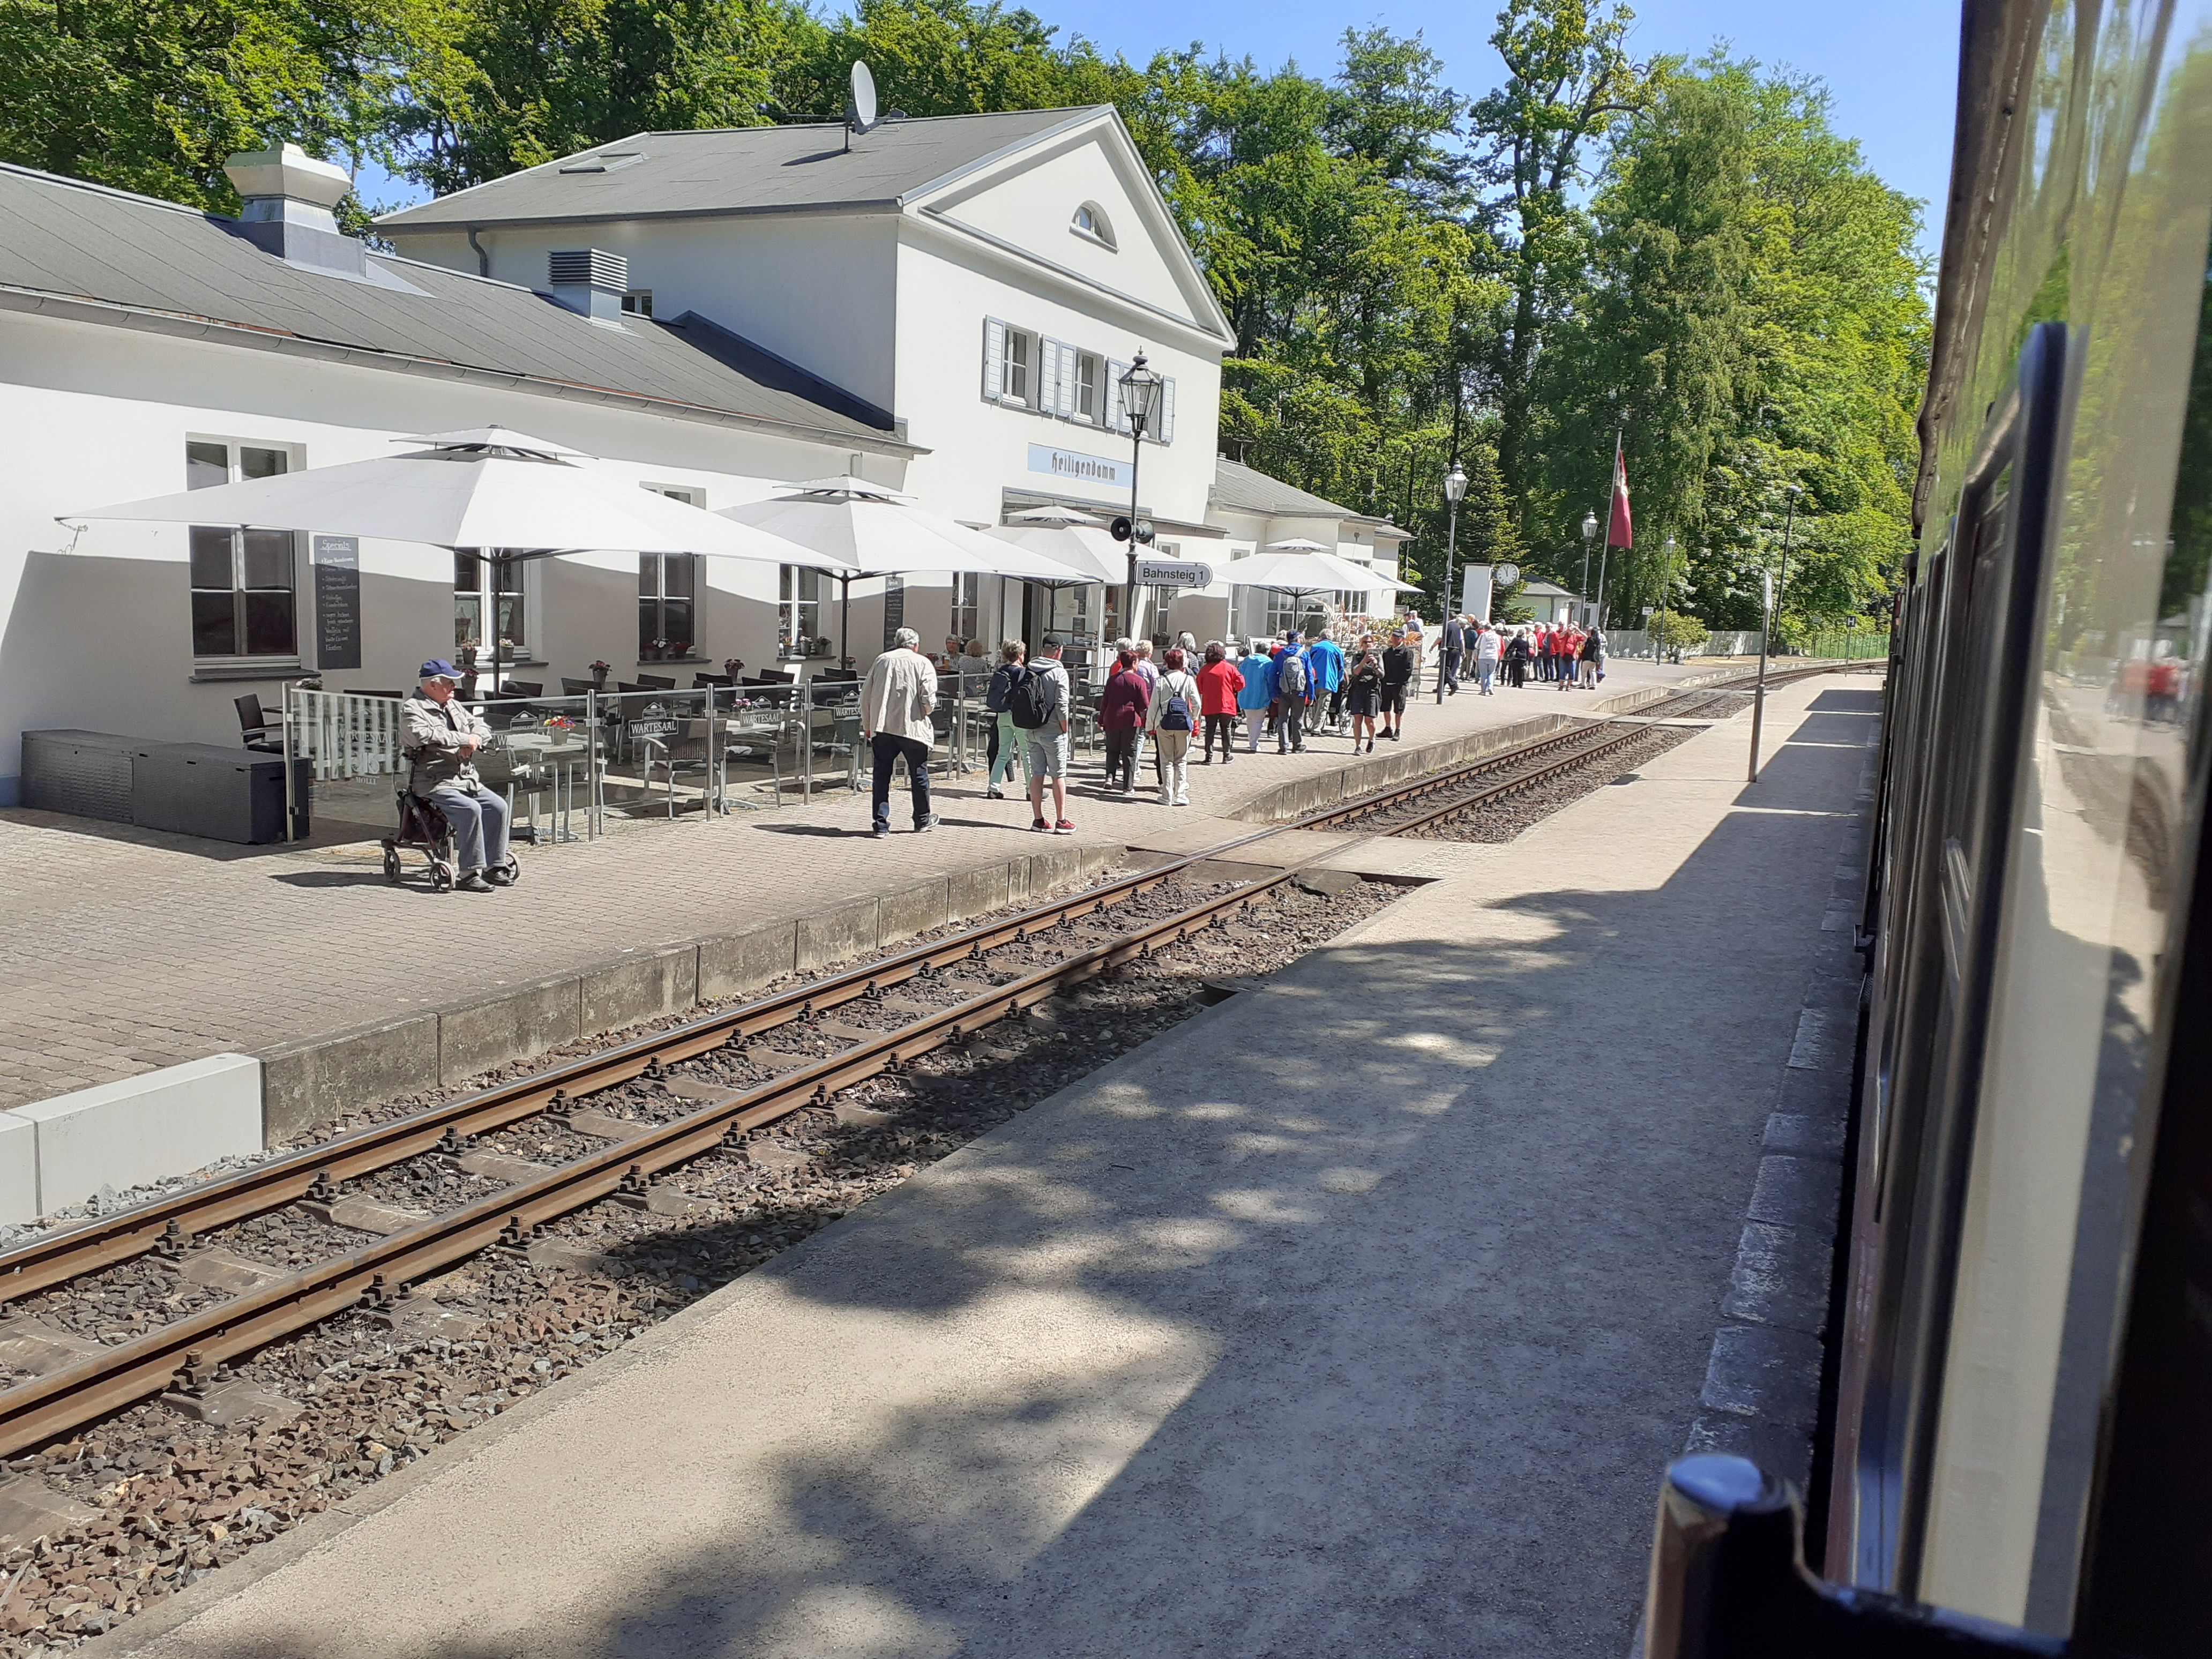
667,606
798,610
485,587
967,606
243,582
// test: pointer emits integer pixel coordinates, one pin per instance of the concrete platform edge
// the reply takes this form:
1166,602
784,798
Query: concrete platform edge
321,1079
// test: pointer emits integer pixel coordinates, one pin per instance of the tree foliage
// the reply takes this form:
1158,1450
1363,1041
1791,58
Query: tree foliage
1683,253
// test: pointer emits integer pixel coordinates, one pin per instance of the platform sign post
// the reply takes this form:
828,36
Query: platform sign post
1759,696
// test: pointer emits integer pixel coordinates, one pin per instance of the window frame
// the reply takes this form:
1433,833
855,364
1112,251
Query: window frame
1099,232
517,649
794,606
967,599
241,550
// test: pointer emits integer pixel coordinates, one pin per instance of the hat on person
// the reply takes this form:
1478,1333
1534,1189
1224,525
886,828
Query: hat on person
438,669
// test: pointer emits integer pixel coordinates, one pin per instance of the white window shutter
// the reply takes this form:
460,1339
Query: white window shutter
994,359
1052,361
1071,366
1117,416
1167,411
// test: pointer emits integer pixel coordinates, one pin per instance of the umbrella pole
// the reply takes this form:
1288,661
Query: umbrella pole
845,621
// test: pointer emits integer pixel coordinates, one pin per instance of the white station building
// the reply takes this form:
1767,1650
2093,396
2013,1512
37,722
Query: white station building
943,306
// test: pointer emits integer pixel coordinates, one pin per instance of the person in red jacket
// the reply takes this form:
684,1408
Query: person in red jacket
1121,708
1219,682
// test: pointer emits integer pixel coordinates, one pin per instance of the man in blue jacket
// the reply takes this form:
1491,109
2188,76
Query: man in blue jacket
1259,671
1325,676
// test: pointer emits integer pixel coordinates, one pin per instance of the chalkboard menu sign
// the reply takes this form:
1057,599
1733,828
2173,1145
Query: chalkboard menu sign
337,602
894,607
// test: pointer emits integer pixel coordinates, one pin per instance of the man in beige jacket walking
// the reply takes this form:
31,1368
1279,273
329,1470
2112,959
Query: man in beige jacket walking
896,702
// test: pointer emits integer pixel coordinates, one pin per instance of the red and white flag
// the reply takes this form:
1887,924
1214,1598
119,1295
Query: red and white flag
1619,533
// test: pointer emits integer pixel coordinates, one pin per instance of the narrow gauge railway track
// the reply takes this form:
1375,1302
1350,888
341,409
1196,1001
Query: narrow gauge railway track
1492,781
186,1351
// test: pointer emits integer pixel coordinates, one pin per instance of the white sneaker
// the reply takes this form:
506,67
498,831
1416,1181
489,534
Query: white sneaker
1182,800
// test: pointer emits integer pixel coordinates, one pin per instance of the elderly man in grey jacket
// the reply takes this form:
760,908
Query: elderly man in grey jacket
896,703
442,740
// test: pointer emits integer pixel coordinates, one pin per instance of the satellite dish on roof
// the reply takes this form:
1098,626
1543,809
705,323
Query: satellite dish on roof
864,98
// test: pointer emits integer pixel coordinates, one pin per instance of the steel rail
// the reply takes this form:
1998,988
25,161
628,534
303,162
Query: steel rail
41,1408
1516,784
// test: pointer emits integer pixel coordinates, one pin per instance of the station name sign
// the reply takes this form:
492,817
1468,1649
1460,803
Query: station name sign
1076,467
1174,573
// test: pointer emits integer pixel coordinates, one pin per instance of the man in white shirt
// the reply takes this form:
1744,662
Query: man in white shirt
896,702
1048,743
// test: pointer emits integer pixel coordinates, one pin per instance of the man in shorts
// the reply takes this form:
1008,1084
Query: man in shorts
1398,659
1048,743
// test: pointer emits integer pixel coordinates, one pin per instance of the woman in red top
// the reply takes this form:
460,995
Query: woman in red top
1219,682
1121,708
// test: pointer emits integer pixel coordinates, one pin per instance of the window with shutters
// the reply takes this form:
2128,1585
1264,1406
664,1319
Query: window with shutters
1021,352
1083,405
244,594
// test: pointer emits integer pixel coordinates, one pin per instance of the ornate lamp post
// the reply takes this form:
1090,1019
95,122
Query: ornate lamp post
1789,521
1140,402
1454,492
1666,580
1589,535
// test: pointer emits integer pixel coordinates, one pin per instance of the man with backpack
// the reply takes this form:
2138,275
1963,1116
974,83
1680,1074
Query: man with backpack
1039,704
1291,680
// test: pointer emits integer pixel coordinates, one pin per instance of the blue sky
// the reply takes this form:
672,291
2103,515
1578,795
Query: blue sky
1891,65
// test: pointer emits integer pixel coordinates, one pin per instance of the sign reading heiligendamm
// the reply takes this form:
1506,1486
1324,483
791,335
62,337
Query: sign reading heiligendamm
337,602
1076,467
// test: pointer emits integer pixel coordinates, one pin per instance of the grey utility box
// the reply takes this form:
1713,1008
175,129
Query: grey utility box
225,794
84,773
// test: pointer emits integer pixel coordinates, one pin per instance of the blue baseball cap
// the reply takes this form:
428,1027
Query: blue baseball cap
438,669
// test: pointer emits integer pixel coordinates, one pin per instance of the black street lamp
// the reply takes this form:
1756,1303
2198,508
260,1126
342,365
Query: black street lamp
1589,535
1141,389
1454,492
1789,521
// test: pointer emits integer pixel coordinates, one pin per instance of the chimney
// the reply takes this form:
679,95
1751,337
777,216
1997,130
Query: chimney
288,197
590,281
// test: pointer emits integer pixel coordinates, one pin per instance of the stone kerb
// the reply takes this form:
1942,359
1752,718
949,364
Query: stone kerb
322,1080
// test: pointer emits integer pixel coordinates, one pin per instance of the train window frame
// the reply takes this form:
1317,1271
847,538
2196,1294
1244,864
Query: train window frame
1977,641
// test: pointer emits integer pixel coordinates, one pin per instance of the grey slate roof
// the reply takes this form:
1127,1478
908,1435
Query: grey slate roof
78,242
1241,488
742,170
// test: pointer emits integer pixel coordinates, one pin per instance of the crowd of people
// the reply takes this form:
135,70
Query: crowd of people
1157,704
1552,654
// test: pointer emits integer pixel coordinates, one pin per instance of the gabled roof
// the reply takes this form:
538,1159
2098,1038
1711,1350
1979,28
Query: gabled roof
104,255
730,170
1241,488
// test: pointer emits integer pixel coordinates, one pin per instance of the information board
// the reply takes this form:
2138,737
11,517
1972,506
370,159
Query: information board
894,607
337,602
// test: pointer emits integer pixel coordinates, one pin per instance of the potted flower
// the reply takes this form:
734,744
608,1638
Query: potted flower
599,670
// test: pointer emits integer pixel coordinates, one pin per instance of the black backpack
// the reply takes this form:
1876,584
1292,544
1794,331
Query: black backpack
1175,713
1033,698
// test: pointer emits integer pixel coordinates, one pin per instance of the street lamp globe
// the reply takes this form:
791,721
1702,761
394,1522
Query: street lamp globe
1456,485
1589,526
1141,389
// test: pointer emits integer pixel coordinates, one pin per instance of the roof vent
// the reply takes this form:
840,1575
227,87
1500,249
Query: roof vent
289,195
590,281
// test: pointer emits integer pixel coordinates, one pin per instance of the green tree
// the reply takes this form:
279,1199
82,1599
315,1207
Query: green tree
524,81
1569,83
155,96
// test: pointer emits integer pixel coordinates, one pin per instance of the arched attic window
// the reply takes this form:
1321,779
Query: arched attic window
1091,224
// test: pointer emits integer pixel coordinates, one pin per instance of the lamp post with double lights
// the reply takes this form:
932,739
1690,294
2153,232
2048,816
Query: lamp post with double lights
1141,388
1454,492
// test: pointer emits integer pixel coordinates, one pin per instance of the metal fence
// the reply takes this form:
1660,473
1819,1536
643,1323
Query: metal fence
1846,645
576,768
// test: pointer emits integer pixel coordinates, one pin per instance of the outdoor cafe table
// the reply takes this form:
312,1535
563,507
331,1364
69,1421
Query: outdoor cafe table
558,756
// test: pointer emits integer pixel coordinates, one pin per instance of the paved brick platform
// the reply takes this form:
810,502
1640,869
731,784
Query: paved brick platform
123,950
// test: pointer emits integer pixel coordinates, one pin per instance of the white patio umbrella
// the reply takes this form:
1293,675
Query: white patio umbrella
503,492
1068,539
861,529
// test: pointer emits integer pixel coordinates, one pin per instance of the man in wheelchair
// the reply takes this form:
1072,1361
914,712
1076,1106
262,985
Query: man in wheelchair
441,742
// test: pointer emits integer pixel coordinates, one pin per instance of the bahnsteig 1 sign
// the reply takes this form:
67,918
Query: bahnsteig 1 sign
1174,573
